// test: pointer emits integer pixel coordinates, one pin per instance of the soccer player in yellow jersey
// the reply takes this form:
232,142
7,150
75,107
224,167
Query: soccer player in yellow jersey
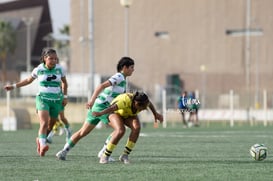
123,112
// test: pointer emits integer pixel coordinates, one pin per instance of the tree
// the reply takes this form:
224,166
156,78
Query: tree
65,30
63,43
7,45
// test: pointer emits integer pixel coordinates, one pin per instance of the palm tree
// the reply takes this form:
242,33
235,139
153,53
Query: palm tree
63,44
7,45
65,30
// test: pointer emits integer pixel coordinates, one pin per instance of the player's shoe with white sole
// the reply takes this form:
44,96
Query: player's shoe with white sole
43,150
104,159
124,158
110,159
61,155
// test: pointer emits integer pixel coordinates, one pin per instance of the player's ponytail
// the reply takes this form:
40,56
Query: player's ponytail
141,98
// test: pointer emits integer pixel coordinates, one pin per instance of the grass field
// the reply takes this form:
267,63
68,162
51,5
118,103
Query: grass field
205,153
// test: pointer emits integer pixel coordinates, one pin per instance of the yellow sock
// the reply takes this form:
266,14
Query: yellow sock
129,147
56,127
109,149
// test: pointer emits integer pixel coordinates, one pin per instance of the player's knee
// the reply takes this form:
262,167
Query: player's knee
136,130
120,132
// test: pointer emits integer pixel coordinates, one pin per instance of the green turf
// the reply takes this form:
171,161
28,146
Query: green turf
216,152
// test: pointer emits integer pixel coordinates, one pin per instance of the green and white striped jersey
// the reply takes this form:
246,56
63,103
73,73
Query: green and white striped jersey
49,81
118,83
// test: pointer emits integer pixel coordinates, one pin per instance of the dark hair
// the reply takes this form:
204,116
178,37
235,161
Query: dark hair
47,51
124,61
141,98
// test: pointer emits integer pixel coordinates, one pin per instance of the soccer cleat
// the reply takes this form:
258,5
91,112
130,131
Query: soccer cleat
61,155
104,159
43,150
38,145
124,158
110,159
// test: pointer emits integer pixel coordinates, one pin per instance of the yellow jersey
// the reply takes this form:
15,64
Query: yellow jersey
124,104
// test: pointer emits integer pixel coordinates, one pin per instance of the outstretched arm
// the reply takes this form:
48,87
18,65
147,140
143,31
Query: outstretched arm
19,84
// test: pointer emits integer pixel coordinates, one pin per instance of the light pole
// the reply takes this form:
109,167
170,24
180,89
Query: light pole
82,38
247,53
247,32
126,4
257,104
257,72
91,40
28,22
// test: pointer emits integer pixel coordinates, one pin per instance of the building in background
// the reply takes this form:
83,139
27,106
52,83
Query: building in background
177,44
32,16
191,39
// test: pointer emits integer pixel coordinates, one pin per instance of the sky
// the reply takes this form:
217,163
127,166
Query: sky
60,14
59,11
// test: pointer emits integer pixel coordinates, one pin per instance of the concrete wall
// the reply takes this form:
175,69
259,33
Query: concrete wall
197,36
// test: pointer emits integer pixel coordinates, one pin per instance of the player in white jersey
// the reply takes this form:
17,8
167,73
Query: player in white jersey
101,99
61,125
52,82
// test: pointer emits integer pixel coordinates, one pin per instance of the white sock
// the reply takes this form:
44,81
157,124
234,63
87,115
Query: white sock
67,130
42,141
50,135
67,147
106,142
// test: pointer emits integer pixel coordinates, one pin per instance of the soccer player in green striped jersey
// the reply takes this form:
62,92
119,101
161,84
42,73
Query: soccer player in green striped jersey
100,100
52,83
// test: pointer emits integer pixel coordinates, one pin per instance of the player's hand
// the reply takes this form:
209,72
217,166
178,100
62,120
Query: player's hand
96,114
158,117
64,102
89,105
8,87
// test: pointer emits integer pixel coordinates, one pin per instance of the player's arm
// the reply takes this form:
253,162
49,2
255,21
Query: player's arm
157,116
96,93
64,90
64,85
108,110
19,84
